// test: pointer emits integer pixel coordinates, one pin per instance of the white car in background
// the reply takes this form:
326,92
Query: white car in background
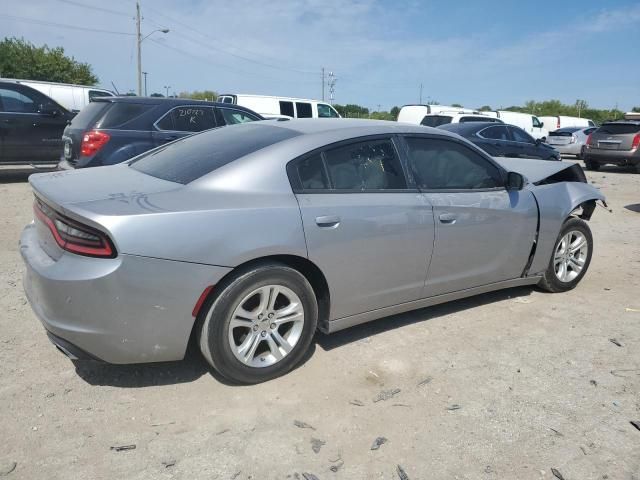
560,121
415,113
529,123
443,118
281,107
72,97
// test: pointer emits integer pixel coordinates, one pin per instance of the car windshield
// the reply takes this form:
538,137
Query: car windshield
435,120
193,157
567,132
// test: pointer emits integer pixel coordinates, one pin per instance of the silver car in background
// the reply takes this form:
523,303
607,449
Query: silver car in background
254,236
570,140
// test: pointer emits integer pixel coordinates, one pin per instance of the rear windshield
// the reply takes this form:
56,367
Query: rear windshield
88,114
478,119
619,128
195,156
435,120
562,133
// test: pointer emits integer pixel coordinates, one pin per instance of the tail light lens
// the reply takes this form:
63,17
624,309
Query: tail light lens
573,139
74,236
92,142
588,141
636,142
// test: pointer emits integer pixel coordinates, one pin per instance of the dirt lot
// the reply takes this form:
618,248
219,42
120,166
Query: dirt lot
502,386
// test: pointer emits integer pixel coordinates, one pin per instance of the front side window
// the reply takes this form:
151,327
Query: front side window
325,111
371,165
536,122
231,116
446,165
304,110
499,132
14,101
521,136
286,108
188,118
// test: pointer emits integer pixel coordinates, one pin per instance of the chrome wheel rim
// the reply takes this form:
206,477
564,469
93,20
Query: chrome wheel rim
266,326
570,256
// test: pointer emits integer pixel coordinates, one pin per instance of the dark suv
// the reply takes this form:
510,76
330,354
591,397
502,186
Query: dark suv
31,125
111,130
617,143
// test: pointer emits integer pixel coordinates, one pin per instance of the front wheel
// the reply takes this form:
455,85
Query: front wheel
571,257
591,165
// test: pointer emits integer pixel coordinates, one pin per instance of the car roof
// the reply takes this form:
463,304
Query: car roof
468,127
166,101
274,97
622,122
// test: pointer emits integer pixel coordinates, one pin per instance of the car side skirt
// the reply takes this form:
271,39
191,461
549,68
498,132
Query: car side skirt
346,322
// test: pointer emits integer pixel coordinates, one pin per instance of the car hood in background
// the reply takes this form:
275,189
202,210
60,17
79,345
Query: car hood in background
539,171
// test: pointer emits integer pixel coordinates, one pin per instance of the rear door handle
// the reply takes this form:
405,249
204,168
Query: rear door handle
328,221
449,218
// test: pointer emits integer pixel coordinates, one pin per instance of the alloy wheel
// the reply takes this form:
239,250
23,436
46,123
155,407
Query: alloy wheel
570,256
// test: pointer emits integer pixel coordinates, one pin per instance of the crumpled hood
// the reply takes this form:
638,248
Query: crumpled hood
536,171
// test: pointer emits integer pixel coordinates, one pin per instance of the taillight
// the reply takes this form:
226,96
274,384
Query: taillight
92,142
558,124
573,139
636,142
588,141
74,236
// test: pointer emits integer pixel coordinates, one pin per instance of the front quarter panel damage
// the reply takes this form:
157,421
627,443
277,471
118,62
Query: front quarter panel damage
556,202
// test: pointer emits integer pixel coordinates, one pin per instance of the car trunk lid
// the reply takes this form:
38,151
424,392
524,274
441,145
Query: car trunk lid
561,138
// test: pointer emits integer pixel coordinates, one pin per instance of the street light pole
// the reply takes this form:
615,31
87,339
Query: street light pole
145,83
167,87
140,39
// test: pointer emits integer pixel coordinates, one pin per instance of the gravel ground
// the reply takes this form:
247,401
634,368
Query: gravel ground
508,385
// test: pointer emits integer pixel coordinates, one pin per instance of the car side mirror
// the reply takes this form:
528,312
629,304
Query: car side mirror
515,181
538,141
48,109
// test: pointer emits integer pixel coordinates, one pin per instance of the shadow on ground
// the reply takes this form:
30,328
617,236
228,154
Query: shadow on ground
19,175
634,207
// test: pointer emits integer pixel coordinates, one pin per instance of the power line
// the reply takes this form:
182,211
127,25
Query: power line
92,7
62,25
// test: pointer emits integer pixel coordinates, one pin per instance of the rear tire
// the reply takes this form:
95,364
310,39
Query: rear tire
570,258
591,165
260,325
637,166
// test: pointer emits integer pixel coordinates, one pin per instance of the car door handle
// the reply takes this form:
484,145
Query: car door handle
328,221
449,218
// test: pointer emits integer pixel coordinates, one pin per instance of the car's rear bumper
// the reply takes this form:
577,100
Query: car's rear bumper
128,309
570,149
616,157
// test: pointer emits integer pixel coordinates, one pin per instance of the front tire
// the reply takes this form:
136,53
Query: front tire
591,165
260,325
571,257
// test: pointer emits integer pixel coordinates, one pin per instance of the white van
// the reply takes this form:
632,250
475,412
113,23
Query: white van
71,97
281,107
444,117
529,123
415,113
554,123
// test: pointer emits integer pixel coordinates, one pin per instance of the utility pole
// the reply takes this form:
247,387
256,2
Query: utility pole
420,102
145,83
332,87
167,87
379,107
323,84
139,37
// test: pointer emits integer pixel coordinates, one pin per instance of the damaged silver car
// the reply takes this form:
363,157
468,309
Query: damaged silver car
252,237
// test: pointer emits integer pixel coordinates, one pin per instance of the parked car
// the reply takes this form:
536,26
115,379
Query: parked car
111,130
560,121
529,123
503,140
31,126
570,140
443,118
281,107
253,236
616,143
415,113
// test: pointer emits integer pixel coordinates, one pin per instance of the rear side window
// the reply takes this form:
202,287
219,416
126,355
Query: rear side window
435,120
520,135
619,128
121,114
445,165
304,110
89,113
197,155
188,118
286,108
231,116
371,165
93,94
499,132
312,173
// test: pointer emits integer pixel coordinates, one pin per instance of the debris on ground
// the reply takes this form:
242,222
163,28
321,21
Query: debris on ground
6,469
454,406
386,395
488,469
168,463
593,382
162,424
521,300
631,309
400,405
316,444
300,424
122,448
337,466
402,475
615,342
556,432
425,381
584,450
236,475
635,423
378,442
309,476
224,430
357,403
621,373
557,474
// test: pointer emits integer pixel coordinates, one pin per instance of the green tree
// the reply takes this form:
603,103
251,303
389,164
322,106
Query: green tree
208,95
156,94
485,108
636,109
395,111
352,111
22,59
457,105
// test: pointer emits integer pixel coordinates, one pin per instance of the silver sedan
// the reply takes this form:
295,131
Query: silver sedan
570,140
254,236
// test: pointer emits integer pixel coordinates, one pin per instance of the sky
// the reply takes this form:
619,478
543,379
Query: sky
492,52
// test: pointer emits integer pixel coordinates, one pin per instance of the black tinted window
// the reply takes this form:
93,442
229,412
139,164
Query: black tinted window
312,173
286,108
619,128
191,158
304,110
188,119
477,119
521,136
445,165
498,132
435,120
121,113
14,101
372,165
88,114
232,116
93,94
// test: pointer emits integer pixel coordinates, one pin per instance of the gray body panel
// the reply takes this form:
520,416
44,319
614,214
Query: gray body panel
387,253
